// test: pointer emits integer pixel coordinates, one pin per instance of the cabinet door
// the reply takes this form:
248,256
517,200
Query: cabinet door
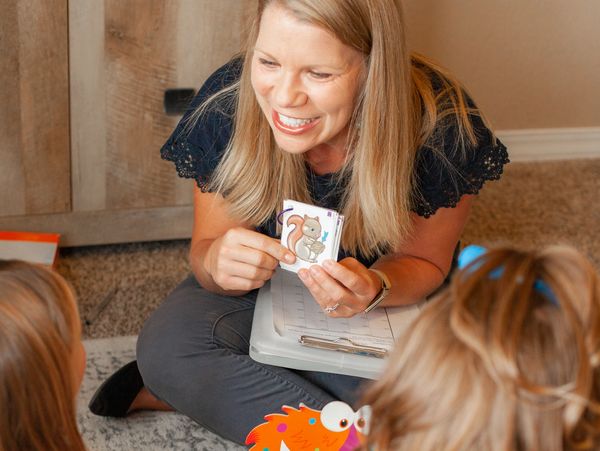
34,108
124,54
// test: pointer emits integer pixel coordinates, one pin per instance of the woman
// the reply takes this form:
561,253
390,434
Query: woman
326,107
501,360
42,360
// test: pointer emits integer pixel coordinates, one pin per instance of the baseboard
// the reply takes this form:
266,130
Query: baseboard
551,143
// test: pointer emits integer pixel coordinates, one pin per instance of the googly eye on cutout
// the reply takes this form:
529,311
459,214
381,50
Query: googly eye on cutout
362,420
337,416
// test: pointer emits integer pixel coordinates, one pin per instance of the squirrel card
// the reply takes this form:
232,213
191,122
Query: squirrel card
311,233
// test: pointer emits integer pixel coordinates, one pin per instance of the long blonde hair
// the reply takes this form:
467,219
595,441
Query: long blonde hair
256,176
494,363
39,331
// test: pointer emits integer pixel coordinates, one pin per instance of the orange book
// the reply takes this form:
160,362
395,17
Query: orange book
29,246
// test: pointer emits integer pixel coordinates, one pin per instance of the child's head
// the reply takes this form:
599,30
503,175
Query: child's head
492,363
41,359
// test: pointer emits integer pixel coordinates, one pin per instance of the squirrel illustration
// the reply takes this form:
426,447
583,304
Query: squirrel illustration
303,239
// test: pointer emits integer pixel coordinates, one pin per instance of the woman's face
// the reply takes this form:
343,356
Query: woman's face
305,81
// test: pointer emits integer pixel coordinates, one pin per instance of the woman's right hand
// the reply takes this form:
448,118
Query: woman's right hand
242,259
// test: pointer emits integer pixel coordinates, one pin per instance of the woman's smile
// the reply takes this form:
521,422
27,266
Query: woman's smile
293,125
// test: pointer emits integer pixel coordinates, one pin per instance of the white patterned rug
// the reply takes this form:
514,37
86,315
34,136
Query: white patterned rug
146,431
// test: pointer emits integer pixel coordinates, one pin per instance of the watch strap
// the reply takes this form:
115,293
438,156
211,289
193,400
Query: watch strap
386,285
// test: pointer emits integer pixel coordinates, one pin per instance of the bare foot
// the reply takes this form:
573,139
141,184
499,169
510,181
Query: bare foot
147,401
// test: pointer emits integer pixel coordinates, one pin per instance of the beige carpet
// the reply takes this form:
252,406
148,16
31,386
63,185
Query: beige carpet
534,204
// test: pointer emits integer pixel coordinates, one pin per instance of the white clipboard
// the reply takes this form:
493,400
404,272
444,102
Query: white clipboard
267,346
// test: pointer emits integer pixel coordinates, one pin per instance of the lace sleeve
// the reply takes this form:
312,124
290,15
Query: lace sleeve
445,170
196,146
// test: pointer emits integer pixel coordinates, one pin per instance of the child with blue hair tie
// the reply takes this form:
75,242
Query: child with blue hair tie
505,358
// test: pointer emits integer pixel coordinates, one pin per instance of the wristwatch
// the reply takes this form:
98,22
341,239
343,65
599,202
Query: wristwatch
386,285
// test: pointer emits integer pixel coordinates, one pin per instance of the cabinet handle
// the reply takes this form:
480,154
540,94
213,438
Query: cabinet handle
176,101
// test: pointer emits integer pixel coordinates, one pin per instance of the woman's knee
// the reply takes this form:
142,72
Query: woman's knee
186,332
166,334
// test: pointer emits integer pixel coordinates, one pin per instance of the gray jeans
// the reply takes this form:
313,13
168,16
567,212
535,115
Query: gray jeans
193,354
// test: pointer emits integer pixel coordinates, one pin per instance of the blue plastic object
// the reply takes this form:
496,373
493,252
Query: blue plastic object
473,252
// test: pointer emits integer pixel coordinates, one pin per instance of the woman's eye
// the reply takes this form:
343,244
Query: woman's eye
320,75
267,63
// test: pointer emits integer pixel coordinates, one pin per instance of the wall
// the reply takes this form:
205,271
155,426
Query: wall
528,63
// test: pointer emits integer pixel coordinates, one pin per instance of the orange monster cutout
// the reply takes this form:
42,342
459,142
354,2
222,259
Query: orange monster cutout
336,428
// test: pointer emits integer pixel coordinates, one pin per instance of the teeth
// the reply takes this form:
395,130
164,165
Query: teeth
293,122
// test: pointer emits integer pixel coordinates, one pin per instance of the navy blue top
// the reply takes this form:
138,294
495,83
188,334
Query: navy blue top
196,152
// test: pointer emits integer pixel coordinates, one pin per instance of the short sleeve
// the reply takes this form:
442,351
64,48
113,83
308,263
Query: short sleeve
197,146
445,170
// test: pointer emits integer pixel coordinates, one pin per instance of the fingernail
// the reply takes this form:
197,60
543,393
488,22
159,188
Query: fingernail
302,274
288,258
328,263
314,270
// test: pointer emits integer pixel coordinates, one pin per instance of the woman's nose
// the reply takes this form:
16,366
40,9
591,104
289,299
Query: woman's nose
289,91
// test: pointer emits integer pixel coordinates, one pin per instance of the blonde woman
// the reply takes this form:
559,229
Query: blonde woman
42,360
504,359
325,106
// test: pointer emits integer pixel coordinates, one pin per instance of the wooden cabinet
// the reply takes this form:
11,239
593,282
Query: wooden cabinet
81,117
34,108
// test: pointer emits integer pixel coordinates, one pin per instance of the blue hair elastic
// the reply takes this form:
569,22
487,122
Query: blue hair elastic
473,252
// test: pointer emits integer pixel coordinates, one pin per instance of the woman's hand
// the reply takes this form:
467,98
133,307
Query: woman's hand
347,283
243,259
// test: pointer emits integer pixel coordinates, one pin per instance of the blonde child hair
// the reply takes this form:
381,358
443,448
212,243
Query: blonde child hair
495,363
39,341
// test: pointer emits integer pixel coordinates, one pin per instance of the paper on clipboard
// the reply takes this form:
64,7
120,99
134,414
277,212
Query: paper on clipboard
297,314
267,346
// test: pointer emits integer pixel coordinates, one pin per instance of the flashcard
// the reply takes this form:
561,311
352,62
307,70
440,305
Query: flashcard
312,233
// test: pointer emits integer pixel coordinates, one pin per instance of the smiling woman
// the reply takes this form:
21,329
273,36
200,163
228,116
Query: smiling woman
325,106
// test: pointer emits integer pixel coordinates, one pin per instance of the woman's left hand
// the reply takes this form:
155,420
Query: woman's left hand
347,284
